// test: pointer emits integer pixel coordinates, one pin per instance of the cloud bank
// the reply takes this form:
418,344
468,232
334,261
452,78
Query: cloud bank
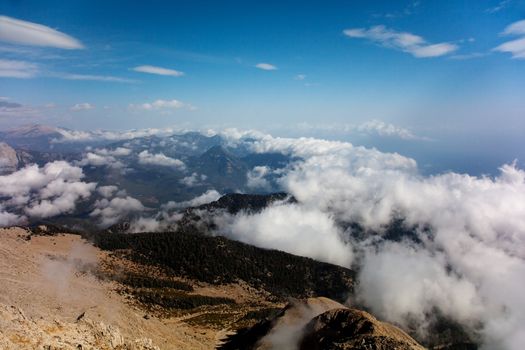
466,259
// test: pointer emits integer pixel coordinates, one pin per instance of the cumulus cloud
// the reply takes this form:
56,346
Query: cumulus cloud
17,69
515,47
169,215
110,212
100,159
295,229
82,107
265,66
145,157
193,179
107,191
256,178
17,31
403,41
466,261
158,71
10,219
206,197
43,192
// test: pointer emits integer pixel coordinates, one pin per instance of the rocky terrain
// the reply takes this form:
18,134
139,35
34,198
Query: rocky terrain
321,323
58,291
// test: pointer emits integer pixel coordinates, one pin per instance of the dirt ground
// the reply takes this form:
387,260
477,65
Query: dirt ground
48,278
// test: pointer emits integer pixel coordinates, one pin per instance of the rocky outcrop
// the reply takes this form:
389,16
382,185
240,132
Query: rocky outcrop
345,328
20,332
8,159
321,324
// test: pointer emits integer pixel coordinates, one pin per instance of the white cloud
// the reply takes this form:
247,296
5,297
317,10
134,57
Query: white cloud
471,230
88,77
82,136
112,211
516,28
500,6
158,71
386,129
192,180
300,77
10,219
265,66
161,105
145,157
515,47
107,191
43,192
206,197
295,229
95,159
14,109
82,107
28,33
17,69
256,178
406,42
116,152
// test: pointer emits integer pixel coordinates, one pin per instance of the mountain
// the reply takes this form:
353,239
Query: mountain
8,159
31,137
222,168
346,328
218,260
320,324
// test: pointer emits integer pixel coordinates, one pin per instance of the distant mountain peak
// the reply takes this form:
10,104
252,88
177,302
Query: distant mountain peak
215,151
32,130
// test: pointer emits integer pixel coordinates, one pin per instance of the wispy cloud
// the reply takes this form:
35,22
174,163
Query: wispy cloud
403,41
265,66
9,108
82,107
469,56
381,128
89,77
515,47
17,69
500,6
373,128
158,71
300,77
16,31
409,10
161,105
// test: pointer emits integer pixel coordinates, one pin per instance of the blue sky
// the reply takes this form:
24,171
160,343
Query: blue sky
449,72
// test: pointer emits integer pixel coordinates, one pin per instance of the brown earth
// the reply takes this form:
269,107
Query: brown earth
47,282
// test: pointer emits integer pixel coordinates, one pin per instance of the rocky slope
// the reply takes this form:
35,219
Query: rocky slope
17,331
319,324
8,159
